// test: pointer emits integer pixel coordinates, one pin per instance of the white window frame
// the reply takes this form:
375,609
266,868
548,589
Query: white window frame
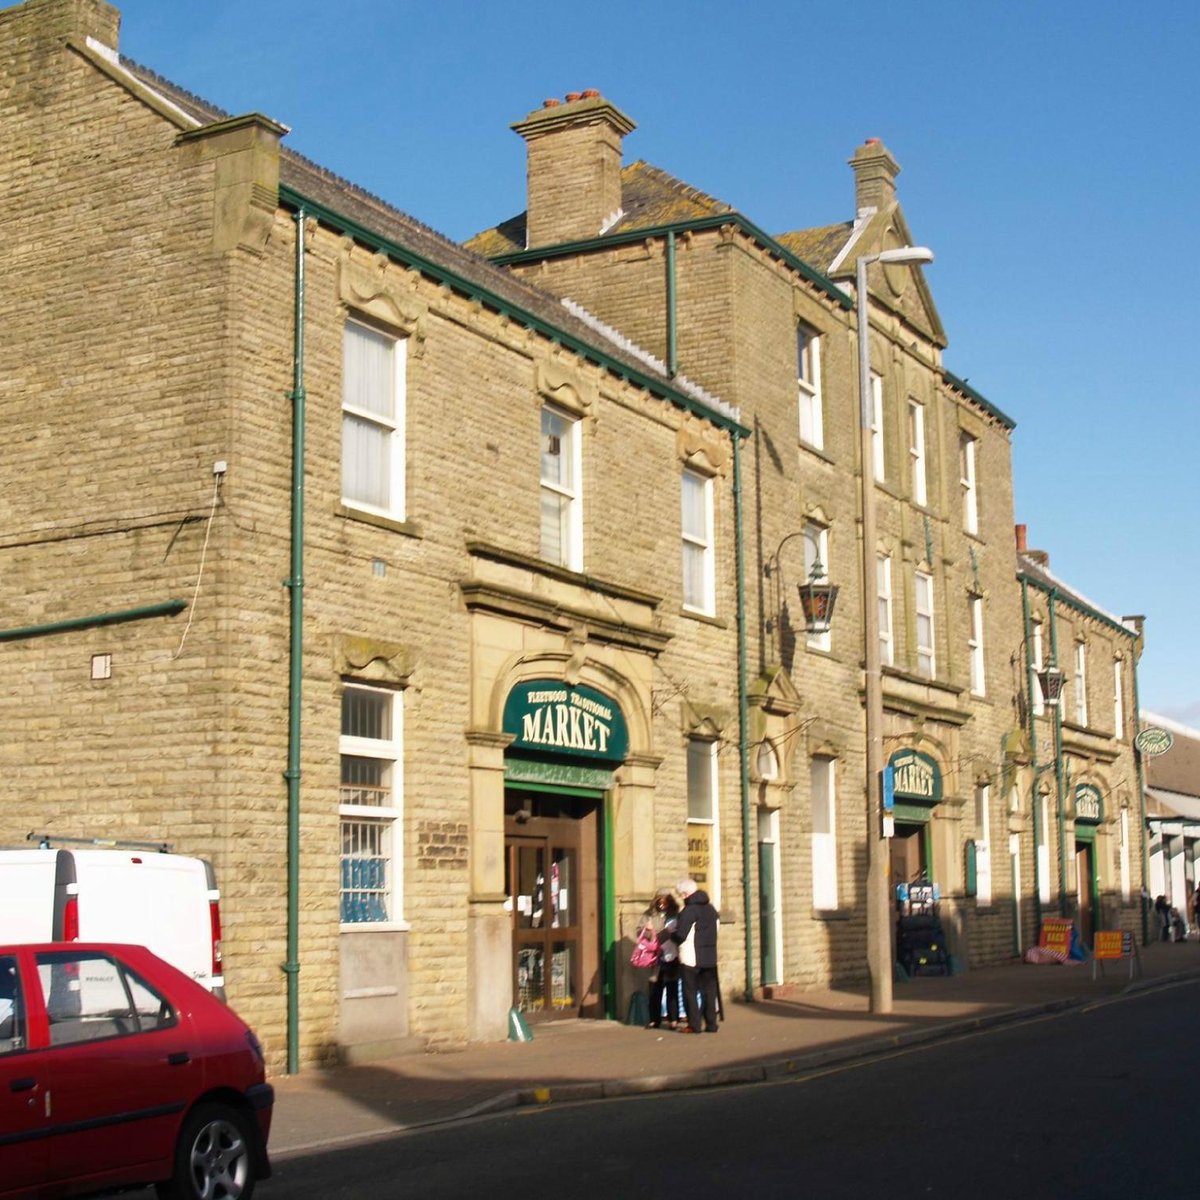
983,846
1080,683
878,457
1123,856
916,452
975,647
883,592
1038,700
387,816
816,545
808,383
924,609
385,416
1043,848
699,584
823,803
967,447
1118,699
702,786
568,495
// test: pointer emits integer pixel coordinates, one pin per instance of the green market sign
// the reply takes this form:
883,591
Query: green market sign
917,777
547,716
1152,741
1089,804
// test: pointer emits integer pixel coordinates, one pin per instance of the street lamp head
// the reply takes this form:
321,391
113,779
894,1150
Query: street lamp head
905,254
817,598
1051,678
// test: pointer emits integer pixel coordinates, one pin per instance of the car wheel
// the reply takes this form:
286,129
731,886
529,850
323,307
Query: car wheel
214,1157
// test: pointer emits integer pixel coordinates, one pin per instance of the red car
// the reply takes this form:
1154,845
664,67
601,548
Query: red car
116,1069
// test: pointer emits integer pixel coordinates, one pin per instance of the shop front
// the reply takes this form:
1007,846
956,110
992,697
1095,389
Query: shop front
567,740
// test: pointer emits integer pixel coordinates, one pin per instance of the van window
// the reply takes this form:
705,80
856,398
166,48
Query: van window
90,996
12,1016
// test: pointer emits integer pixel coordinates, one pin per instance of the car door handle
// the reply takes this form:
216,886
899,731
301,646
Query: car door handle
22,1085
179,1058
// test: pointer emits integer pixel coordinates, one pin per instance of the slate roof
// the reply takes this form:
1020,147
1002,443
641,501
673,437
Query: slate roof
818,247
650,197
391,224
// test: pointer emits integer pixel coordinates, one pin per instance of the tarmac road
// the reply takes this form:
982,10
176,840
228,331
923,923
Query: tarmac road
1077,1104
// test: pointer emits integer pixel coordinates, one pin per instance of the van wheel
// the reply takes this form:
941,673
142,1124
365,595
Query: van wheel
214,1157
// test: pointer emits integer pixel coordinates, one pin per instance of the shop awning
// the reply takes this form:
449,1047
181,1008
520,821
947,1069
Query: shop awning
1172,809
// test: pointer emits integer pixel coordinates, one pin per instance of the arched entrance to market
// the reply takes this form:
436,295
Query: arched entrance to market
567,741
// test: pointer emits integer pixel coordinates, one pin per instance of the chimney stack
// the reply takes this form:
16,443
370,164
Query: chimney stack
573,167
875,172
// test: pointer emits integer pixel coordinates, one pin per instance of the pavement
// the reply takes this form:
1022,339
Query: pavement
572,1060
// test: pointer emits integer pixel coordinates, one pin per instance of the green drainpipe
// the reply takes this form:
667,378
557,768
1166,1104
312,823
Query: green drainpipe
1141,782
610,915
1038,832
672,346
743,711
167,608
1058,765
295,582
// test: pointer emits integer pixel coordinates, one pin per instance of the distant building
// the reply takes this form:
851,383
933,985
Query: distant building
1173,811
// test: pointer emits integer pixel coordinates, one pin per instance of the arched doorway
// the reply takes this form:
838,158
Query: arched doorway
558,773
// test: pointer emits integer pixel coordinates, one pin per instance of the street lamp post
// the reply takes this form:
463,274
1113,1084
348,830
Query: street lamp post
879,918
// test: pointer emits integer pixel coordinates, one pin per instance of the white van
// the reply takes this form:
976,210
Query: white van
116,892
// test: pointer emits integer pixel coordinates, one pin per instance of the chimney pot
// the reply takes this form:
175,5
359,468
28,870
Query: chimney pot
552,102
590,93
573,168
1021,531
875,172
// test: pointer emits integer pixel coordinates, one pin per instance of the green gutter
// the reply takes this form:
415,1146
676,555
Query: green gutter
961,385
290,198
627,236
1079,606
743,714
168,608
295,583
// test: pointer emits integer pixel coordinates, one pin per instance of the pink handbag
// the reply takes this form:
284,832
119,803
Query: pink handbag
645,953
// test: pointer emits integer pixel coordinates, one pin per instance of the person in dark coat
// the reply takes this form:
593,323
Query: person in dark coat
696,933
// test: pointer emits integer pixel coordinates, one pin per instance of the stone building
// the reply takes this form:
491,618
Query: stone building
1171,770
334,554
770,323
1081,779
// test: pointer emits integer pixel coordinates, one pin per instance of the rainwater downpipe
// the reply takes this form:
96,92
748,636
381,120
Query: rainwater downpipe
295,582
1058,763
1038,832
1141,780
743,709
672,346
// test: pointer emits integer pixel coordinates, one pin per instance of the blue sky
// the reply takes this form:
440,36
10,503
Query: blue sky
1049,152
